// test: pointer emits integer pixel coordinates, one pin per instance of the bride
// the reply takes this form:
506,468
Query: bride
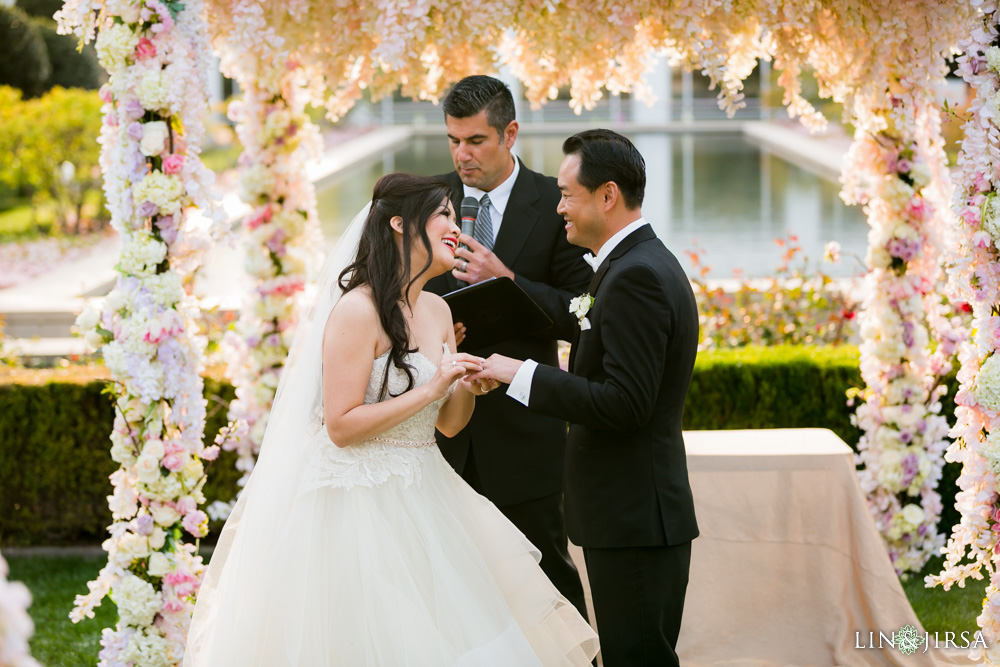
354,542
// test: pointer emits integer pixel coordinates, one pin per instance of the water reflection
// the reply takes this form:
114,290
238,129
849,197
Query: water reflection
727,193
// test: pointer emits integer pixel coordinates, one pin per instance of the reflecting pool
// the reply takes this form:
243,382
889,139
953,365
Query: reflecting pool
717,192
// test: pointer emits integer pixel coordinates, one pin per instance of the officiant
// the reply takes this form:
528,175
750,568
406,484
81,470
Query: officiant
510,455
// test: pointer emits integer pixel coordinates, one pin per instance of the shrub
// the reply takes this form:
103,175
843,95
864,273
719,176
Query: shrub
24,61
42,8
54,444
47,140
70,68
798,305
54,434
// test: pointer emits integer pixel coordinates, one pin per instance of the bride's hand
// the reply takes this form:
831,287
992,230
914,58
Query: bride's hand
451,368
478,387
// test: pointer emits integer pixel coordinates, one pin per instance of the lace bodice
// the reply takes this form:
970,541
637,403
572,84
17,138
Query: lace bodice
419,427
397,451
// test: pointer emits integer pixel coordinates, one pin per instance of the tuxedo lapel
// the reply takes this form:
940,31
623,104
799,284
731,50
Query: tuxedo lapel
519,218
644,233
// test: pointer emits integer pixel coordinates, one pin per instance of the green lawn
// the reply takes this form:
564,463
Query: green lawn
54,581
940,611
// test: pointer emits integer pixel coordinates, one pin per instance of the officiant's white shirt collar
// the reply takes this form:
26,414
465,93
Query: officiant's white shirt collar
499,196
612,243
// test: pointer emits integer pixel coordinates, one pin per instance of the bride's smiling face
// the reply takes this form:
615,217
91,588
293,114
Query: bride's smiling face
442,231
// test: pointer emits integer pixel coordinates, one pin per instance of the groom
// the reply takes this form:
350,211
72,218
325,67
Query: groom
628,500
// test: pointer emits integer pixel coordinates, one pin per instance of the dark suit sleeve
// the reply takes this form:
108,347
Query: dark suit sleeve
569,277
635,321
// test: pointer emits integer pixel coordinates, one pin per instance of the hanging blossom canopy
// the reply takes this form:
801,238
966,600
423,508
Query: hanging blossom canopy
853,48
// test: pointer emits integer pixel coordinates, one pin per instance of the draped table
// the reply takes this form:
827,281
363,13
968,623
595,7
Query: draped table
789,567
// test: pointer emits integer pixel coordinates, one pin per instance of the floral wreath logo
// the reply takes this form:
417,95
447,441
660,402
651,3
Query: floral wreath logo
908,640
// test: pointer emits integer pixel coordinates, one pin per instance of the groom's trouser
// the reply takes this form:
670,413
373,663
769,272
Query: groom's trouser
541,520
638,597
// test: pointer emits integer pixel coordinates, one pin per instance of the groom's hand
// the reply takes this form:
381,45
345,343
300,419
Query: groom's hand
476,264
498,367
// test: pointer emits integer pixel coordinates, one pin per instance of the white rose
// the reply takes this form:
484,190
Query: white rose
148,468
154,137
129,11
88,319
114,301
164,515
153,448
94,339
913,515
158,538
159,564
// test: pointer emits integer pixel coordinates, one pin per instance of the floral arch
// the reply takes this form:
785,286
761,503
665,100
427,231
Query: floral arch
882,59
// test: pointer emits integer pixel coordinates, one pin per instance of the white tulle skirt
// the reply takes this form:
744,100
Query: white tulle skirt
417,570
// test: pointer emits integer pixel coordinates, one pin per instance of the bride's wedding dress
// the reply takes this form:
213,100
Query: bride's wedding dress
382,555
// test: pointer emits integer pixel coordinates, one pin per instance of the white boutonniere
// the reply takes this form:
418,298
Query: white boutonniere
580,306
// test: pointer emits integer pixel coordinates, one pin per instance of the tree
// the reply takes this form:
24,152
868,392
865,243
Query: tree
70,68
24,60
42,8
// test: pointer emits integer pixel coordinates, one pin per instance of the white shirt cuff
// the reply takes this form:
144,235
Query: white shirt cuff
520,386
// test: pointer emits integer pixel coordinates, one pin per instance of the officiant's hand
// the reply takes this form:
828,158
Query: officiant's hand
499,368
459,333
476,264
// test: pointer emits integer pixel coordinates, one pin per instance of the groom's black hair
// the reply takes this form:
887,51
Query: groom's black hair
608,156
475,93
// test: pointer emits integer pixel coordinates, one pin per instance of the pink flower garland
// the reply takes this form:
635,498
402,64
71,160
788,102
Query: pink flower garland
903,432
156,55
283,240
974,277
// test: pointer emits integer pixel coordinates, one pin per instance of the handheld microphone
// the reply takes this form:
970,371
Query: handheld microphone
469,212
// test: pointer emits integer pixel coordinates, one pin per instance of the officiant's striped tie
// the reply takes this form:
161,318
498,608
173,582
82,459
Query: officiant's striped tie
483,231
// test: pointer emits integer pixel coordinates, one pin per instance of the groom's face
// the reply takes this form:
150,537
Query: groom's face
579,207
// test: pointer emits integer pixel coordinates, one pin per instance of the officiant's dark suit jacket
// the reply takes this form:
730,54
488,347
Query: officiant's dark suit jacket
519,454
626,479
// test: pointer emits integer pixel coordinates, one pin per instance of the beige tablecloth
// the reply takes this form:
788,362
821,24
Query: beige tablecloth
789,565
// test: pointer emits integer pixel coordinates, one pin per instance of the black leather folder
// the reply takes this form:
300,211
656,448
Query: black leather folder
494,311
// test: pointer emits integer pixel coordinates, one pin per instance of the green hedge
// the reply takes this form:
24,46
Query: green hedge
54,460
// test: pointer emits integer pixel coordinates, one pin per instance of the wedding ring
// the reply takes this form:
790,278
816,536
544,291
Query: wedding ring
465,265
454,363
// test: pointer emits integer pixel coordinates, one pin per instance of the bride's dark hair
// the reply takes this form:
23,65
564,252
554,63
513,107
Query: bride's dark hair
379,264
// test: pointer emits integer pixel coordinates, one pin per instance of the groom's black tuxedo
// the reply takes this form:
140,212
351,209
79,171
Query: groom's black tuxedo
628,499
517,455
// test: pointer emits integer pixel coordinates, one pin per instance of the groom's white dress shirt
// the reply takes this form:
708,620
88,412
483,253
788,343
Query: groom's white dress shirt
499,196
520,386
